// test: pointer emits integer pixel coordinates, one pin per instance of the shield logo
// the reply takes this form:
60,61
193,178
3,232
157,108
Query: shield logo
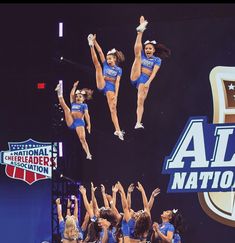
29,161
221,205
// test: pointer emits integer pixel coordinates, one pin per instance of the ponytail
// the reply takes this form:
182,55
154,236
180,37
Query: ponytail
88,94
162,51
120,56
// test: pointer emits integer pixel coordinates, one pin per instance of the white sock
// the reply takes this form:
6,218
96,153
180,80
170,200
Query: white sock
59,89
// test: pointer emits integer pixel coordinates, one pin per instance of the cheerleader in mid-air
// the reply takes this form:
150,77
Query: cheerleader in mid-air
108,78
75,117
145,67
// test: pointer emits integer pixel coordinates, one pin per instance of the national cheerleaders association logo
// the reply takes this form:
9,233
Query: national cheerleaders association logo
29,161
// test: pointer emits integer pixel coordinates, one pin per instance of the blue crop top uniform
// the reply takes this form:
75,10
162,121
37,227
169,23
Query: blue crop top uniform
111,235
176,238
165,227
128,229
149,64
110,72
78,107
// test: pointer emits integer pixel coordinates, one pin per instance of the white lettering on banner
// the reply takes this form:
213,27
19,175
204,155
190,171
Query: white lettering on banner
220,148
201,180
194,133
30,160
203,158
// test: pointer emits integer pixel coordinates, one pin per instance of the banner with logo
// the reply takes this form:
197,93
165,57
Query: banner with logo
29,160
26,190
203,159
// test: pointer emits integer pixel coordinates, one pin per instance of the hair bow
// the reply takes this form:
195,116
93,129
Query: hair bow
112,51
83,92
150,42
175,210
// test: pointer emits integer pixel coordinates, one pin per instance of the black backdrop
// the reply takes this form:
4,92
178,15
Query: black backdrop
201,36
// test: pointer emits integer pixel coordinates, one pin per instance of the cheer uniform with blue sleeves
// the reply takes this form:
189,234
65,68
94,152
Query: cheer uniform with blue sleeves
110,72
80,107
165,227
128,229
176,238
147,63
111,235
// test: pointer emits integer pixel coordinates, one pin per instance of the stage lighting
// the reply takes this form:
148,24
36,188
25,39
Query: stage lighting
60,149
41,85
60,29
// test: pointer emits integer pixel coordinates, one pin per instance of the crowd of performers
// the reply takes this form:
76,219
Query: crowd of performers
147,61
107,224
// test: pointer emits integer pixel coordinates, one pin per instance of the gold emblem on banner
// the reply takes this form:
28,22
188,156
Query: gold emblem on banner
221,205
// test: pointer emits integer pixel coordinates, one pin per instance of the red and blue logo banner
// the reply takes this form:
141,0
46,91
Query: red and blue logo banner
29,161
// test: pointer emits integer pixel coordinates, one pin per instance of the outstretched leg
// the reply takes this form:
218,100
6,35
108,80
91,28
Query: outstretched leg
141,97
67,113
136,66
100,82
82,137
112,103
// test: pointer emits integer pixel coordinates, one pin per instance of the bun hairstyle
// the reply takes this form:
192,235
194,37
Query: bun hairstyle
118,54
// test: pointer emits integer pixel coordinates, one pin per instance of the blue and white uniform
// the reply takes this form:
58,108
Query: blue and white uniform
165,227
111,235
78,107
147,63
110,72
176,238
128,229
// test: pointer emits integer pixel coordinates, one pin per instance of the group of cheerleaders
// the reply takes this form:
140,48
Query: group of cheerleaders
108,75
107,225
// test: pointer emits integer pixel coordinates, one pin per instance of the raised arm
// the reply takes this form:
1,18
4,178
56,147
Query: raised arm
114,194
75,212
126,211
144,198
88,120
88,207
72,92
99,49
152,197
68,212
59,210
113,207
94,201
129,191
106,203
85,222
